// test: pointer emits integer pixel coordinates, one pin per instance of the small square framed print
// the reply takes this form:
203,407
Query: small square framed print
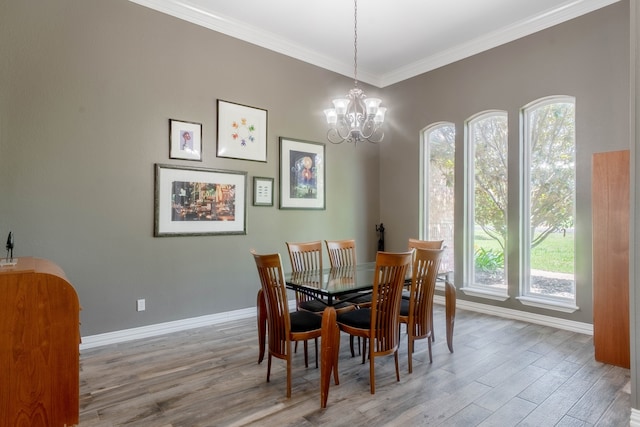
185,140
262,191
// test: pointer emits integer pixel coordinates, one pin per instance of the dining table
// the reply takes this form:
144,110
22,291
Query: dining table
335,285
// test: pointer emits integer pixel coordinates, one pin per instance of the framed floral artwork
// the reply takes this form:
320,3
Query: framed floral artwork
242,132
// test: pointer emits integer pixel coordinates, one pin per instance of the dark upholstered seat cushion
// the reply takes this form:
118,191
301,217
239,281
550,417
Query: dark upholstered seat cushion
356,318
404,307
303,321
318,306
357,298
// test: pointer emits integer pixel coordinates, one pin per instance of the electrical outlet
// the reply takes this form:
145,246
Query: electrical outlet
141,305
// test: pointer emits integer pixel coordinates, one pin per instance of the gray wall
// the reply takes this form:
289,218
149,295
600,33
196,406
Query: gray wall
87,88
587,58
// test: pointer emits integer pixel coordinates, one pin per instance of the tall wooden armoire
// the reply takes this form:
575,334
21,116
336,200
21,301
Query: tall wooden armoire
610,216
39,346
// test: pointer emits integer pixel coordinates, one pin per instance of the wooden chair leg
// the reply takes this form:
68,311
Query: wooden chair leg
410,353
306,354
395,355
433,336
372,373
351,346
262,325
364,350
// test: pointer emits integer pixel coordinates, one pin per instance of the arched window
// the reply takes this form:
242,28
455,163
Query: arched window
486,197
438,169
549,171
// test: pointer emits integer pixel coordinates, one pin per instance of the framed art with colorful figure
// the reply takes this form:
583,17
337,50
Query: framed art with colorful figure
242,132
302,174
199,201
185,140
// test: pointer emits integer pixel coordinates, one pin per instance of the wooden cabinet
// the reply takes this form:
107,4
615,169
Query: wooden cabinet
39,346
610,216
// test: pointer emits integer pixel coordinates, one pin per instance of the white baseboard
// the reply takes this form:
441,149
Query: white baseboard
635,418
115,337
92,341
539,319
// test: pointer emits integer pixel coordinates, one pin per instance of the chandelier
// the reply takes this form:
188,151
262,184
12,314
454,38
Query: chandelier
355,118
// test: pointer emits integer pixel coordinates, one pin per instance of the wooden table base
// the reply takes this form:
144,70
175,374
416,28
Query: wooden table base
450,311
328,353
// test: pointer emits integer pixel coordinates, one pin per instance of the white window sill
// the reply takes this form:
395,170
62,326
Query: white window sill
485,293
548,304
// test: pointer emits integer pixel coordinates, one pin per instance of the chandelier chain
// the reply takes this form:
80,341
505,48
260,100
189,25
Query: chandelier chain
355,42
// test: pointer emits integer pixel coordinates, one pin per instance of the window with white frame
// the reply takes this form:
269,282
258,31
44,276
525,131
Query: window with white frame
438,187
486,215
547,247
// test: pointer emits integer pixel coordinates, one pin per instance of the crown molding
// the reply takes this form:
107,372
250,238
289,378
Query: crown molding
267,40
517,30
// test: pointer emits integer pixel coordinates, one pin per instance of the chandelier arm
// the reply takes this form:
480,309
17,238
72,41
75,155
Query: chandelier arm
333,137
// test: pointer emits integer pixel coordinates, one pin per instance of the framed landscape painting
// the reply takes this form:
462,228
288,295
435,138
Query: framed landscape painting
199,201
302,174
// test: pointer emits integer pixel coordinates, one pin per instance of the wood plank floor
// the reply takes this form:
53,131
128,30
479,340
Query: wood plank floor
503,373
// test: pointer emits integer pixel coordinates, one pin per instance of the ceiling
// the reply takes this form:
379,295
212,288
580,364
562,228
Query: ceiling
397,39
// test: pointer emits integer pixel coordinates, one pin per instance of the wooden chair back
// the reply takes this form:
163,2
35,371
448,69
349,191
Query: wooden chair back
390,272
275,298
305,256
425,268
341,252
425,244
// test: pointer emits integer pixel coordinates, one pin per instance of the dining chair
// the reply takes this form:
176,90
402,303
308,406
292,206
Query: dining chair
342,253
416,311
379,323
425,244
308,256
283,327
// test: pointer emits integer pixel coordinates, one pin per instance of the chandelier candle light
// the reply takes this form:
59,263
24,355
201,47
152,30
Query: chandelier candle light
355,118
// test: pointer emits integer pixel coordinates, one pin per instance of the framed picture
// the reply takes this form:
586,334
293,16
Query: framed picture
242,132
262,191
199,201
185,140
302,174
